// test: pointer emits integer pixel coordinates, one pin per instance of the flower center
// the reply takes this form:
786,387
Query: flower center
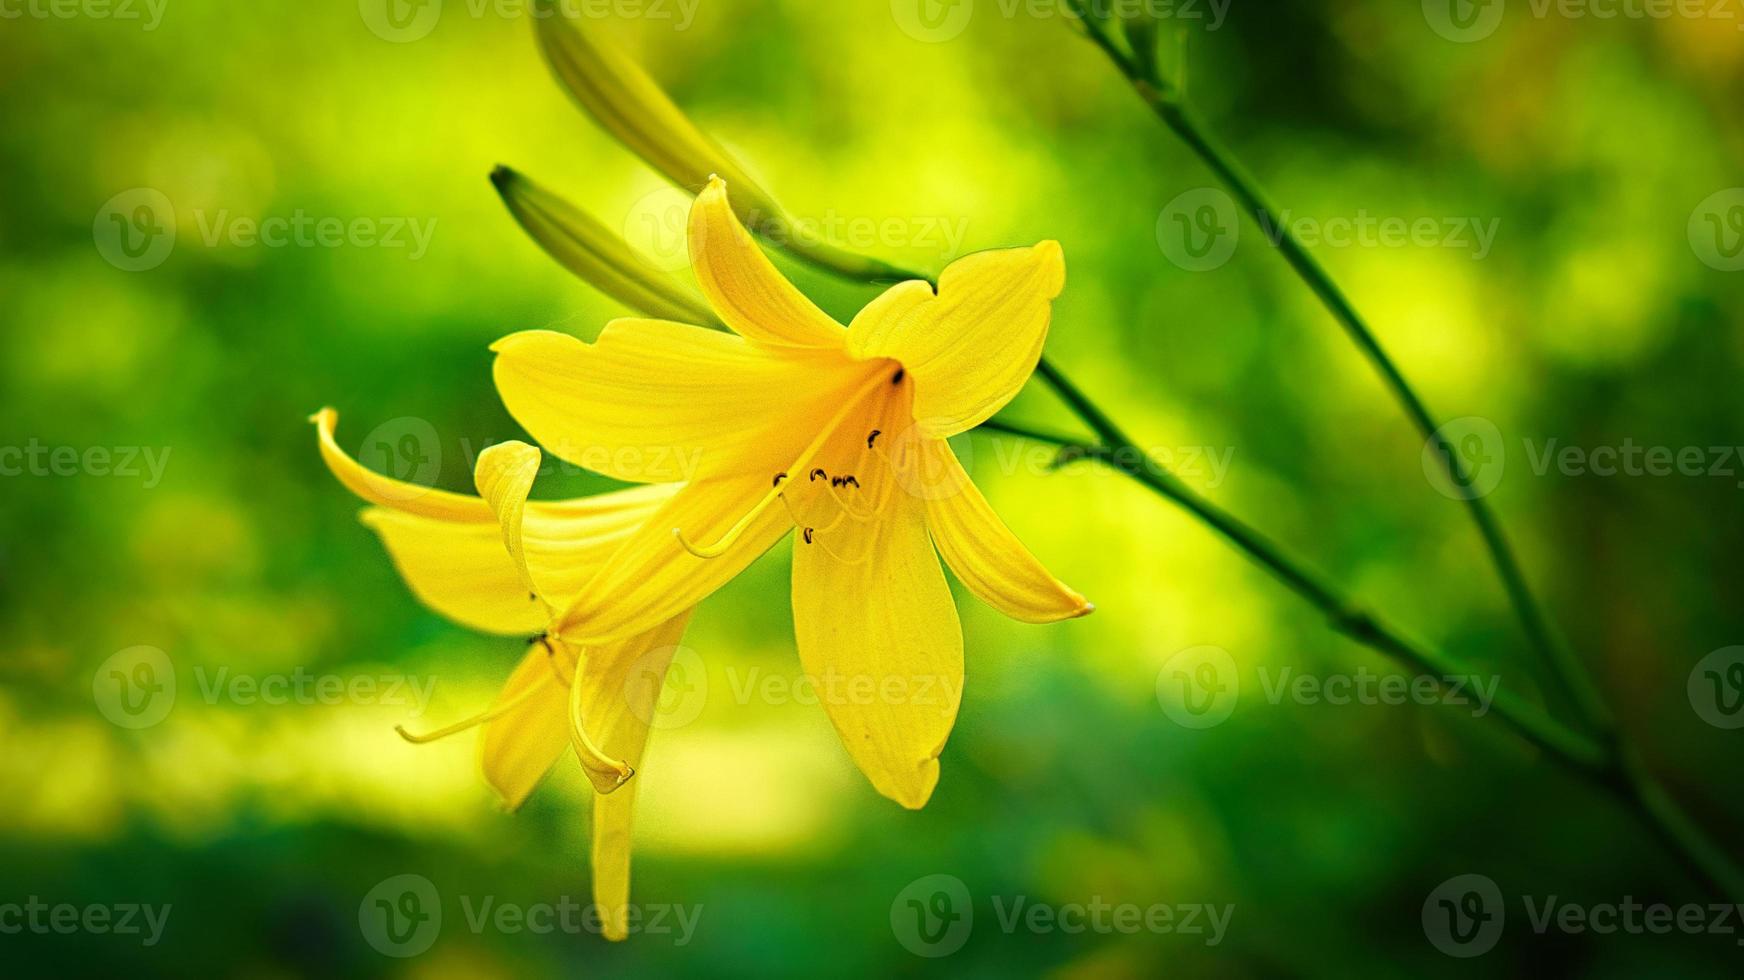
844,475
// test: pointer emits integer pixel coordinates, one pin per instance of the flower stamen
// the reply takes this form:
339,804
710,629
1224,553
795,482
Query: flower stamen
476,720
591,755
731,537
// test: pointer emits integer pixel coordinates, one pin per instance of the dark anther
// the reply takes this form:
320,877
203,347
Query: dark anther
778,478
817,473
849,481
533,596
898,378
808,535
873,437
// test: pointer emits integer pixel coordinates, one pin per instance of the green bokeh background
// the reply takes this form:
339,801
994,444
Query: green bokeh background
1592,320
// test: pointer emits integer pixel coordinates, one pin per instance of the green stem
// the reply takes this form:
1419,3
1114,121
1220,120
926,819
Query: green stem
1619,772
1169,105
1118,452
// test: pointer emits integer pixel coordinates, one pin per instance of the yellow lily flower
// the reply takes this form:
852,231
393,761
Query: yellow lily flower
797,421
502,564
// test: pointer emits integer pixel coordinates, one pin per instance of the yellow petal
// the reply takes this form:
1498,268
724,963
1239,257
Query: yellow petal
653,578
461,571
567,541
746,290
879,637
987,557
411,498
631,106
972,346
520,746
450,547
622,685
584,246
504,476
653,401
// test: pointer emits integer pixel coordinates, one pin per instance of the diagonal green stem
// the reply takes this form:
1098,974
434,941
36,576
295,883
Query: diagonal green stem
1618,771
1169,105
1119,454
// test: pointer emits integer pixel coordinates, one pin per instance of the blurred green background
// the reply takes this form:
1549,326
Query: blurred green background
1599,315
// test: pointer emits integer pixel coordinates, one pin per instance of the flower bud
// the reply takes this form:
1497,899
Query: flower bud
589,249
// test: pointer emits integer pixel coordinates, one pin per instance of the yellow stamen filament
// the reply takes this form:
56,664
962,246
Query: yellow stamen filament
558,668
591,755
727,540
832,553
476,720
